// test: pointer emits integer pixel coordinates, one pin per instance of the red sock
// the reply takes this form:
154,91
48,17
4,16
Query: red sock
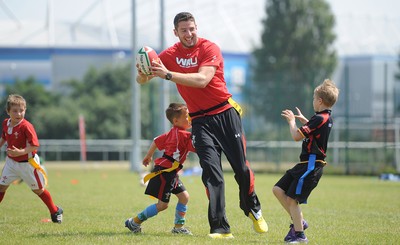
46,198
2,196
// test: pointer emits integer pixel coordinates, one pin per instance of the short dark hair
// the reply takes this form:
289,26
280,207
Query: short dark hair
175,110
183,16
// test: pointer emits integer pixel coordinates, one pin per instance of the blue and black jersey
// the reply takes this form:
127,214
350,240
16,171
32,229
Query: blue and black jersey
316,133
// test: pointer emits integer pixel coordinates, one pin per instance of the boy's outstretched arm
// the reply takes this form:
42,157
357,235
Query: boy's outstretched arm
301,117
149,156
291,119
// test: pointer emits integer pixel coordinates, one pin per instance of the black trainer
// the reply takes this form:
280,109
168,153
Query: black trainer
57,217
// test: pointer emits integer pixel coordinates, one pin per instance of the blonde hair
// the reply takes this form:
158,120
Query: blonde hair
15,99
328,92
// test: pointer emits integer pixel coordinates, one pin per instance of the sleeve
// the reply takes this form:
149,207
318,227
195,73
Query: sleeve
190,145
160,141
31,136
212,56
308,128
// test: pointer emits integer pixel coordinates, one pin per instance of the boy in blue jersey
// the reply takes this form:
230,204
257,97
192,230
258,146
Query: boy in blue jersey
296,185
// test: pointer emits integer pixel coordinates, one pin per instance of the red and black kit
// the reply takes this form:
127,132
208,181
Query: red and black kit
299,181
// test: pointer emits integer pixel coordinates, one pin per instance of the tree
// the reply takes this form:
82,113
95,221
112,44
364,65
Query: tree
296,53
35,94
103,97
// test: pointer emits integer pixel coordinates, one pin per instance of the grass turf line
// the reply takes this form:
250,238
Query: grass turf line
96,202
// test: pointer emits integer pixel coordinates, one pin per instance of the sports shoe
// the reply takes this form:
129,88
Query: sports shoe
297,239
221,235
57,217
181,230
132,226
259,225
292,232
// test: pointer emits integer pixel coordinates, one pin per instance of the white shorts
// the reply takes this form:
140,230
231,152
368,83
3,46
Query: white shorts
34,177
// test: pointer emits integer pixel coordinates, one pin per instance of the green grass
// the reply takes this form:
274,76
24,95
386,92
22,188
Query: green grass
96,202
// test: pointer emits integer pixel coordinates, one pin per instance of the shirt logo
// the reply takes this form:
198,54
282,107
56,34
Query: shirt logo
16,135
186,63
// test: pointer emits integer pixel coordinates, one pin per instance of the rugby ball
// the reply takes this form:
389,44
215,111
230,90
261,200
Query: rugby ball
144,59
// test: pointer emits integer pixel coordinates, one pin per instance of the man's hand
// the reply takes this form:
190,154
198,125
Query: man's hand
141,77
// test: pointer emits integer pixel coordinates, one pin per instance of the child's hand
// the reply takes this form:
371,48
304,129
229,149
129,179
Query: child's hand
147,160
288,114
15,152
300,116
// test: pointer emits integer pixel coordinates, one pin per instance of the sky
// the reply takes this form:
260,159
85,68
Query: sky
361,25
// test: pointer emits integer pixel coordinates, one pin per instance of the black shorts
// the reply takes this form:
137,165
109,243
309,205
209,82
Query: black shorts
162,185
290,180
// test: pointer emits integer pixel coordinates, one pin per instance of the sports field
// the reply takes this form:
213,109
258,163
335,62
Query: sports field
97,200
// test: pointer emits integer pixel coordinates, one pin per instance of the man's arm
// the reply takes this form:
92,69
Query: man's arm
199,79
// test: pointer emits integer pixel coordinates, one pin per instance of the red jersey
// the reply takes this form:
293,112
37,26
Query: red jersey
176,143
178,58
20,136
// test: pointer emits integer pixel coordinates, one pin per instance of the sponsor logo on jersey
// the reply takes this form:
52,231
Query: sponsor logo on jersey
186,63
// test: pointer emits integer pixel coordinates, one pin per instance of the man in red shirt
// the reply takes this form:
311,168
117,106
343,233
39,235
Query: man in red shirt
22,161
196,66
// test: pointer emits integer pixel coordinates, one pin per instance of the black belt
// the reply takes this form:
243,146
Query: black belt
171,159
26,159
202,112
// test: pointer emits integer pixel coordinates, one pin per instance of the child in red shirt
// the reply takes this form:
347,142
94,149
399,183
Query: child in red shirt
164,179
22,161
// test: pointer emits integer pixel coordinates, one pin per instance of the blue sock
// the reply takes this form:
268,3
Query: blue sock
148,212
180,213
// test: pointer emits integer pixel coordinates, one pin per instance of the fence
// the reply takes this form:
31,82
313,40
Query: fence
345,157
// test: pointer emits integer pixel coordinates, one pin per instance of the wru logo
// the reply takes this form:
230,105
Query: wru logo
186,62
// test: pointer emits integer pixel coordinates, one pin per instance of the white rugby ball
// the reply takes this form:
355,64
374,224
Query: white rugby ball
144,59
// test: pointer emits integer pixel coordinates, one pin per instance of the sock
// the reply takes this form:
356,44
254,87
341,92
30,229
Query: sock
180,213
257,215
300,234
46,198
2,195
148,212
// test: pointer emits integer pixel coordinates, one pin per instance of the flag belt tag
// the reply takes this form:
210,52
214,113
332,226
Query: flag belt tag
235,105
151,175
34,164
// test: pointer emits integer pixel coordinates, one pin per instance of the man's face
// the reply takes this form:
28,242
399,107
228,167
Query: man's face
186,31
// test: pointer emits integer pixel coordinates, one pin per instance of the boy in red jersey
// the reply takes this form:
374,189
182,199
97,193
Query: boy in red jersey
296,185
196,66
176,145
22,161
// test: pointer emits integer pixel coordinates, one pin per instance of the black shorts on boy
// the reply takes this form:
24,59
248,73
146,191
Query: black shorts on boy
290,180
162,185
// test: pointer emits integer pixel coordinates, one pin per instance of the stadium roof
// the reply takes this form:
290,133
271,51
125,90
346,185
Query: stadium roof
362,27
